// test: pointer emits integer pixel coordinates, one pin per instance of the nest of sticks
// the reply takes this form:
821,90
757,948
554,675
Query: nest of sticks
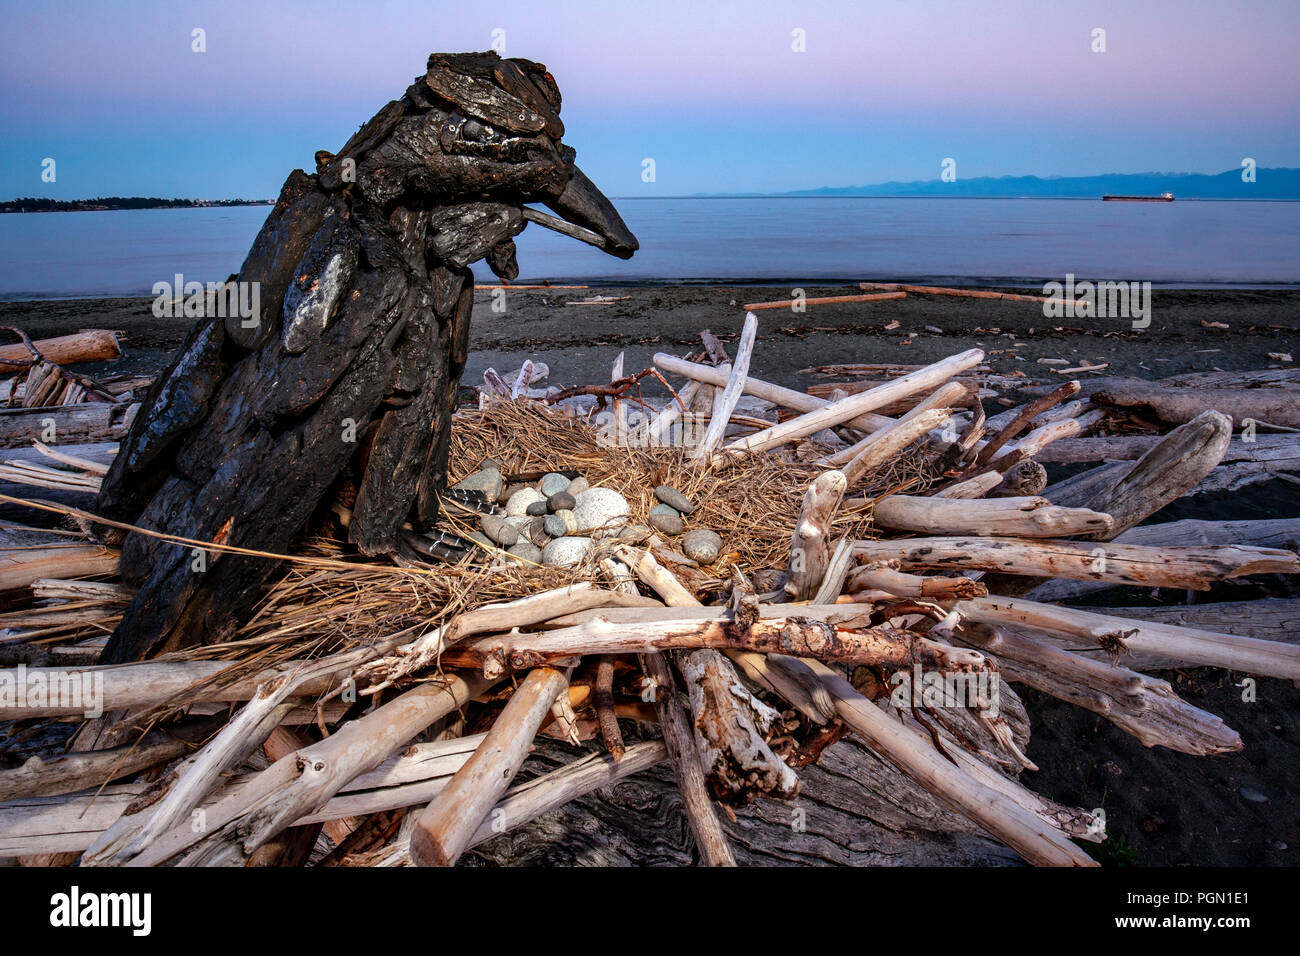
871,582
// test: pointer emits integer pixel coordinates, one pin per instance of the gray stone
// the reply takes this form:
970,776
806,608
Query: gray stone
553,484
578,485
561,501
599,508
518,522
669,524
1254,796
701,545
674,499
526,551
564,552
495,527
537,508
488,481
518,503
478,537
665,510
555,526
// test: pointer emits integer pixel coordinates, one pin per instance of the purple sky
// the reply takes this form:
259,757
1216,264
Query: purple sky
714,93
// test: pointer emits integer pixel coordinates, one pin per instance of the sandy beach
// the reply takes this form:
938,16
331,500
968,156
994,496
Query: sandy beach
1163,808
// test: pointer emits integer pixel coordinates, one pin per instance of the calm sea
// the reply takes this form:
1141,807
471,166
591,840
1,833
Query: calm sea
976,241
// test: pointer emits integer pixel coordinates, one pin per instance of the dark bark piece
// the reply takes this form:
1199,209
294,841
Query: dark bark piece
354,358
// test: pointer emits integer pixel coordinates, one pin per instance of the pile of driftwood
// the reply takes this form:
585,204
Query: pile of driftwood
891,561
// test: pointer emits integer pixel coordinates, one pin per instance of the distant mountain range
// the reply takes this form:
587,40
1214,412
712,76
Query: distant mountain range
33,204
1280,183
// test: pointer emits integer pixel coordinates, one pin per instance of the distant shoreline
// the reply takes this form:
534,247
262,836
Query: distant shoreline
121,204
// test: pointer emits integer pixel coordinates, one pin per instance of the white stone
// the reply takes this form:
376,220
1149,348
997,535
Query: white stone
567,551
600,508
521,499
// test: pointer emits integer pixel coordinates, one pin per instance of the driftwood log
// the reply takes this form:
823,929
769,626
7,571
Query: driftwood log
362,273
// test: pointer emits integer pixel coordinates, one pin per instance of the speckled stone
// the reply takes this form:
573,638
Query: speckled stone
669,524
563,552
555,526
488,481
496,528
701,545
561,501
518,503
578,485
552,484
674,499
598,508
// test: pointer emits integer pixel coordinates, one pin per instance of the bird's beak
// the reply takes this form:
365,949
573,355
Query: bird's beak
586,213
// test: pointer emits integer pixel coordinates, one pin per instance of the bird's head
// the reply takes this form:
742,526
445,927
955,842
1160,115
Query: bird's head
475,141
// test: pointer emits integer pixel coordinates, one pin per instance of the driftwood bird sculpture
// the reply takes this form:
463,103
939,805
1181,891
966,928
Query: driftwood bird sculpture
353,360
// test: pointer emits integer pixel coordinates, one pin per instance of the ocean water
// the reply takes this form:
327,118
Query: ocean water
974,241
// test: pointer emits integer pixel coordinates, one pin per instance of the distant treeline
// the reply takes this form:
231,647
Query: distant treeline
32,204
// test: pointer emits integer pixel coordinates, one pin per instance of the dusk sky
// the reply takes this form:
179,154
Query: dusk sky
714,93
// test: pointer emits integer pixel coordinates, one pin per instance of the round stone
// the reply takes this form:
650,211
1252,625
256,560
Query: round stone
482,540
519,523
701,545
669,524
674,499
537,508
555,526
665,510
561,501
495,527
526,551
518,503
570,523
553,484
564,552
578,485
488,481
600,508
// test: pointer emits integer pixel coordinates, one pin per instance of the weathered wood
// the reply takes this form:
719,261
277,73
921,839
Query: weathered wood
827,300
66,424
777,394
687,767
731,727
1033,517
1001,816
848,409
1166,472
1174,567
88,345
1266,406
1185,644
809,551
1142,706
725,402
19,568
68,773
447,825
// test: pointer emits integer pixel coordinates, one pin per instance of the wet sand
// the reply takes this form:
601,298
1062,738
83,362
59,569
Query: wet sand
1163,808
